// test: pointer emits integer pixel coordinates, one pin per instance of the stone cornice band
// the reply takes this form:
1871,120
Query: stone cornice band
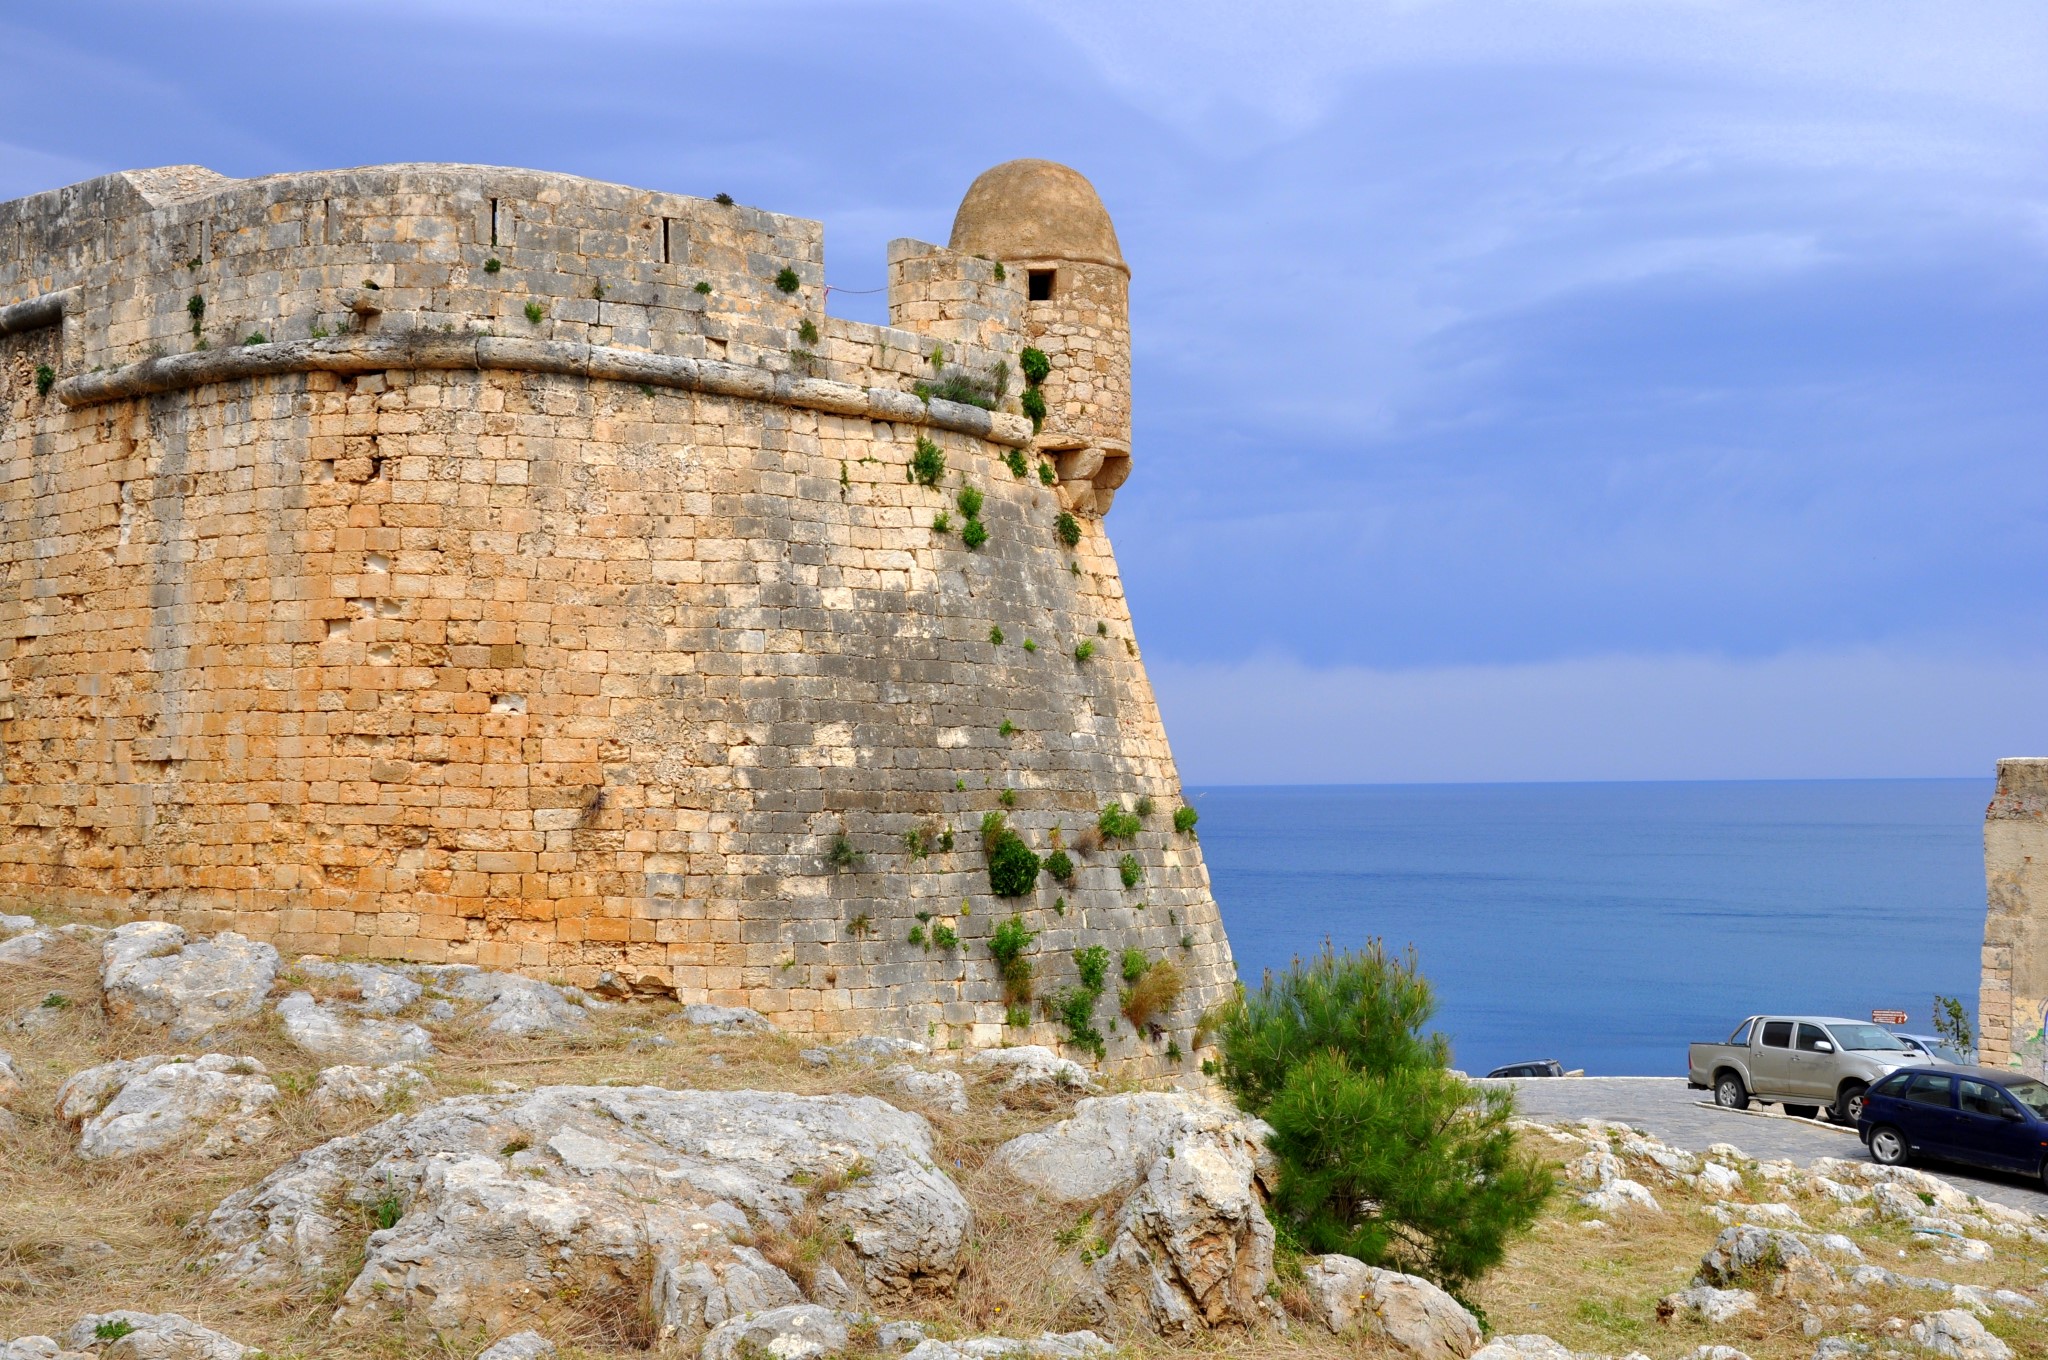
439,350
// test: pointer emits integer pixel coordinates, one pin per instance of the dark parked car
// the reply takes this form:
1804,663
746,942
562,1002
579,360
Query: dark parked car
1549,1067
1982,1115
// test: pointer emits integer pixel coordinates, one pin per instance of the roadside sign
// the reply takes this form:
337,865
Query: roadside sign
1887,1017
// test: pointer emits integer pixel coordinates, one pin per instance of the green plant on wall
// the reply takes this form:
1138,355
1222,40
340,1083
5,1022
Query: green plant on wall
534,312
1008,944
46,378
928,463
493,265
702,286
807,331
1075,1007
1084,651
1012,866
1117,823
1046,475
945,937
1035,365
1069,530
974,534
1033,404
787,281
843,855
1151,993
1184,819
1059,865
1018,466
1130,871
970,501
995,636
195,306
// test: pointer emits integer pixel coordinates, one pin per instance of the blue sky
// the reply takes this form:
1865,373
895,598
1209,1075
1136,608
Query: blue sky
1556,390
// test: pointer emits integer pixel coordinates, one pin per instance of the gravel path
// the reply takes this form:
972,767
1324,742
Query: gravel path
1666,1107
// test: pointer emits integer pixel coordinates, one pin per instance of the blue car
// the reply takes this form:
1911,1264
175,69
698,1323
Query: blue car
1981,1115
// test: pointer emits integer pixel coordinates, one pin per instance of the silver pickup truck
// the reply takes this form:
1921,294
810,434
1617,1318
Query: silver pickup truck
1802,1062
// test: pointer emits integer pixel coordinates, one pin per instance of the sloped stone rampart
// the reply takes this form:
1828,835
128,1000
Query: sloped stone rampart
569,646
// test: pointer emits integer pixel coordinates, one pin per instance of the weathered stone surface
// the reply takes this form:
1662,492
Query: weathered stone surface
142,1105
507,1197
155,1336
1110,1143
1412,1314
15,925
865,1051
728,1019
372,988
1193,1244
378,1087
1044,1346
23,949
154,974
1621,1197
933,1090
520,1346
1749,1256
38,1348
514,1006
1031,1066
801,1331
331,1033
1526,1346
10,1079
1704,1303
1955,1334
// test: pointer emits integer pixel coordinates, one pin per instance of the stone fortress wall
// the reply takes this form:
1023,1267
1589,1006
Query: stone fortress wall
456,563
2012,1006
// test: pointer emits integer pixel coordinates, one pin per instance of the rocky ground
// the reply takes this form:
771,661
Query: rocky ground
209,1151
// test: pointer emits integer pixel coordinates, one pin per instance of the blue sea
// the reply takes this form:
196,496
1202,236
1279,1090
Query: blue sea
1608,925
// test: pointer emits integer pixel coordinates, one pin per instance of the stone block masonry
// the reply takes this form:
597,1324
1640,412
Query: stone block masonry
2013,1003
617,640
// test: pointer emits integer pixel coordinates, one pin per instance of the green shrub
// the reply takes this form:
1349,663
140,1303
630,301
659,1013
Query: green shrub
1017,465
970,501
493,265
1012,867
807,331
1092,964
945,937
917,937
1083,651
1132,963
1018,1017
1075,1008
46,378
921,840
195,306
1069,530
1117,823
1151,994
1008,798
843,855
723,200
1059,865
1144,807
974,534
1130,871
1046,476
1035,365
997,272
928,464
702,286
534,312
1008,944
942,523
386,1212
1029,645
1007,729
787,281
995,636
1059,906
1384,1154
1184,819
256,338
113,1329
1033,402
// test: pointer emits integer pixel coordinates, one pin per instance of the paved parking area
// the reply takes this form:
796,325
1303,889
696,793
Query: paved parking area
1666,1107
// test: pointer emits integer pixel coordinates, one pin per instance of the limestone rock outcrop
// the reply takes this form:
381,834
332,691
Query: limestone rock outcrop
1409,1313
493,1200
1109,1144
151,1336
1956,1334
143,1105
337,1088
328,1032
153,973
1031,1067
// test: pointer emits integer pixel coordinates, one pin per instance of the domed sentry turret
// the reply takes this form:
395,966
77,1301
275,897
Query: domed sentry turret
1045,222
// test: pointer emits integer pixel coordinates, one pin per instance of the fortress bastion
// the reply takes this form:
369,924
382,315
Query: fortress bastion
454,563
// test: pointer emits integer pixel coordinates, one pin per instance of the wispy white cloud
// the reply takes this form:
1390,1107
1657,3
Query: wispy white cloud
1862,713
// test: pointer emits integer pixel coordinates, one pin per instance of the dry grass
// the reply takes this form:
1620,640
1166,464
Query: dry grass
79,1237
